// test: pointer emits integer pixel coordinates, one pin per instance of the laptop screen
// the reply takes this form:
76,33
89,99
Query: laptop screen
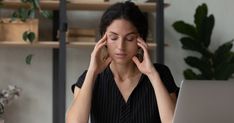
205,102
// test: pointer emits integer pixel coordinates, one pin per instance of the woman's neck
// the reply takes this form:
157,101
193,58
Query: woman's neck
124,71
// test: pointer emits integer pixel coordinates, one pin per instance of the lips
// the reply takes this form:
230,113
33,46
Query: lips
120,55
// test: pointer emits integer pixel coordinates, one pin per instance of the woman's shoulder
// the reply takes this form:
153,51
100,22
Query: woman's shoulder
159,66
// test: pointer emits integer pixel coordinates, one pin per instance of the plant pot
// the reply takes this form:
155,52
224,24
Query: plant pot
13,30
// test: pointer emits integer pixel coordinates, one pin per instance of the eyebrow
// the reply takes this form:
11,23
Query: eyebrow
126,34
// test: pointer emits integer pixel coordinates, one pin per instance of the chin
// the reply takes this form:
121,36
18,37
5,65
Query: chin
122,61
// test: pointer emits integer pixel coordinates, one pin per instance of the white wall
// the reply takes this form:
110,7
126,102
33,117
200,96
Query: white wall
35,102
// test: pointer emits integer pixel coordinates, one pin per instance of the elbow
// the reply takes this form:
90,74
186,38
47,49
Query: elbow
72,117
68,118
167,121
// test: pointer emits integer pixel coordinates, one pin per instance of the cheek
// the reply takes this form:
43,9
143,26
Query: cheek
109,44
109,48
132,49
133,46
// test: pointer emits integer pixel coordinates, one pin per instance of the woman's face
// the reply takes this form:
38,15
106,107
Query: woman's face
121,41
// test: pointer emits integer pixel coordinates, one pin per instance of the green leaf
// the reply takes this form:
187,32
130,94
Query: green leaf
232,59
226,47
31,13
25,36
190,44
28,59
23,14
35,4
14,16
190,75
205,31
24,1
203,65
186,29
224,71
223,54
200,14
31,36
47,14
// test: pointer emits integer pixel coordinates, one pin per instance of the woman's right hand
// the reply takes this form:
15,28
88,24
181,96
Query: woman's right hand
98,61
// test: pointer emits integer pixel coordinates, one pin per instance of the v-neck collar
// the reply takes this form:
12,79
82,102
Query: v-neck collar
117,88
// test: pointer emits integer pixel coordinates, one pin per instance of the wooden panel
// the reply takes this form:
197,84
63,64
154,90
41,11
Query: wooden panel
48,5
54,44
53,5
92,44
41,44
147,7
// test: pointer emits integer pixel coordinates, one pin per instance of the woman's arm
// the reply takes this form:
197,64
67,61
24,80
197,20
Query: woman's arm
80,107
166,102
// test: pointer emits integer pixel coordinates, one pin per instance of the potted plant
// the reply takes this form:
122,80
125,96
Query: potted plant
23,24
217,65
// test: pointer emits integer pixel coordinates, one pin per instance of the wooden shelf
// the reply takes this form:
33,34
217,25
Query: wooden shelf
54,44
47,5
81,44
92,44
54,5
41,44
147,7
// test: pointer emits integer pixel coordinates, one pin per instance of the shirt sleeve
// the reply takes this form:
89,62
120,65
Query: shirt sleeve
79,82
167,78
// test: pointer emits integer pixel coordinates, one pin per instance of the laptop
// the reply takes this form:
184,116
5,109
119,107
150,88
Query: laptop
202,101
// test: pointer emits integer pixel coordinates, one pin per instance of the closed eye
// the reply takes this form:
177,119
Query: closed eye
131,38
113,37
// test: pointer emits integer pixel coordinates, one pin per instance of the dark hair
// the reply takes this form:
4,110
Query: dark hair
128,11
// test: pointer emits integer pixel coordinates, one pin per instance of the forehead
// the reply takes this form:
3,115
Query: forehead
121,26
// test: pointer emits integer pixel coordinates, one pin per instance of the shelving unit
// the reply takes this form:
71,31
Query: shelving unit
53,44
59,9
41,44
95,6
54,5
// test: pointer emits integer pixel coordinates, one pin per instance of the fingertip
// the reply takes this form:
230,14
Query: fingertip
134,58
139,38
108,60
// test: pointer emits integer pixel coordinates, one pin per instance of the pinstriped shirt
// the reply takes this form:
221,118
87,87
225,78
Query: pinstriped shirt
109,106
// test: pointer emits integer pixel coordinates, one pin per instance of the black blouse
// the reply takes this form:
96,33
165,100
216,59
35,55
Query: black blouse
109,106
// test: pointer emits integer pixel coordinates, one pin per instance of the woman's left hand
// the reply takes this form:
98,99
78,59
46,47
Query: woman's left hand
145,66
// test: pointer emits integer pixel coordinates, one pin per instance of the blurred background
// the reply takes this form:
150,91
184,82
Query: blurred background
35,102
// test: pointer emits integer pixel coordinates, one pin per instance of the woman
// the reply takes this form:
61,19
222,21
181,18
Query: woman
122,87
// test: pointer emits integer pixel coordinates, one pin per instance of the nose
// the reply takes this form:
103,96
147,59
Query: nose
121,43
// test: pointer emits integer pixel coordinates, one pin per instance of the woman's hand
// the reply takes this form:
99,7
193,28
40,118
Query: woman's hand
145,66
98,61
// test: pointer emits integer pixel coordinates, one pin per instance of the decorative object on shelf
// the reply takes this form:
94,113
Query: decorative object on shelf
23,26
218,65
13,30
81,35
7,96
